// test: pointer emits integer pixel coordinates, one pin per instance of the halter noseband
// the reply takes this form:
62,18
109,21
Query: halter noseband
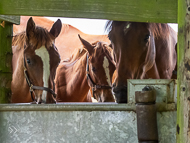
32,87
93,85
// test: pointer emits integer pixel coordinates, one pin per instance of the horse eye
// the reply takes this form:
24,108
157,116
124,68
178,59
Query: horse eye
28,61
146,38
110,36
93,69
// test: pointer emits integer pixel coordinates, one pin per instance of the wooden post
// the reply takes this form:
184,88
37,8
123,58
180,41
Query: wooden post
5,60
183,101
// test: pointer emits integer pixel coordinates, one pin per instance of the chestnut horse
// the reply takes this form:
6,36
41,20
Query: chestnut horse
67,41
141,50
34,62
92,67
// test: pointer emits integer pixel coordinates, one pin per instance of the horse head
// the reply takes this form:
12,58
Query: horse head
134,54
40,59
99,70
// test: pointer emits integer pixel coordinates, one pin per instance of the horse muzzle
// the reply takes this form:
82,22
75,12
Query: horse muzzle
120,94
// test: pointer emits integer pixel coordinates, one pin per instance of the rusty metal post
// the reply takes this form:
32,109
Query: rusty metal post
146,116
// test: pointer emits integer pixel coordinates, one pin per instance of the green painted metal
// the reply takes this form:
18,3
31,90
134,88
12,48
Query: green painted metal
165,89
5,61
159,11
183,115
11,19
161,107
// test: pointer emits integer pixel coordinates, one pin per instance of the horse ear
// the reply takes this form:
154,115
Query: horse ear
30,28
110,45
87,45
56,28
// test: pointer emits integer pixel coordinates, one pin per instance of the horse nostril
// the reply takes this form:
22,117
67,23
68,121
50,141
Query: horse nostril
114,85
38,102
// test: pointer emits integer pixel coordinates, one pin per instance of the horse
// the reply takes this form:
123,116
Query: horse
67,41
92,66
141,51
34,62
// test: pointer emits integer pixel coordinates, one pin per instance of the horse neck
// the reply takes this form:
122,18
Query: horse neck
18,66
19,85
78,77
165,40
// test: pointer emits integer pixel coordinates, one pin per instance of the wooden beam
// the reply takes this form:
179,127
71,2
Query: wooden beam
160,11
183,100
11,19
6,30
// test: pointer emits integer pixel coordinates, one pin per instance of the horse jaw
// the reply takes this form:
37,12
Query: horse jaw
44,55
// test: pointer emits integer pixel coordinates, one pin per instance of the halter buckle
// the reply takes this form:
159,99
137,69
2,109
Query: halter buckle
87,72
25,69
31,89
97,86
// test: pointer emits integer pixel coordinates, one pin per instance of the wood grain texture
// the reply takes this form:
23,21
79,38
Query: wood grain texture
160,11
5,61
183,108
10,18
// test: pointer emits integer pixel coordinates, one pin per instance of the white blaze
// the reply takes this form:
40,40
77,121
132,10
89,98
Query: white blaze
44,55
107,71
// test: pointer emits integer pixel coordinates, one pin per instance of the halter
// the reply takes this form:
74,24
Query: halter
93,85
32,87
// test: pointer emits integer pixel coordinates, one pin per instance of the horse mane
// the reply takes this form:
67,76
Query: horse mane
42,37
19,40
160,29
78,53
157,28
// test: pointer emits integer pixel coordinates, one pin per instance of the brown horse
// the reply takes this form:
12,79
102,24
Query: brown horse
141,50
34,62
67,41
92,67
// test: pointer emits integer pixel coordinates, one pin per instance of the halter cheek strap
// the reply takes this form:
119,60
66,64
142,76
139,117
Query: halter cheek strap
91,83
32,87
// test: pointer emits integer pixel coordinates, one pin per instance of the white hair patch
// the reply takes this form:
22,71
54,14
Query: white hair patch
44,55
107,71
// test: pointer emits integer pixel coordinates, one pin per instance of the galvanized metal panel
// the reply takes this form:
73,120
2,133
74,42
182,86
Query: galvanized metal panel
77,126
82,122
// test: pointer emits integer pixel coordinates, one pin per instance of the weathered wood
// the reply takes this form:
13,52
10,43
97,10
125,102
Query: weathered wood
5,61
160,11
183,121
11,19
